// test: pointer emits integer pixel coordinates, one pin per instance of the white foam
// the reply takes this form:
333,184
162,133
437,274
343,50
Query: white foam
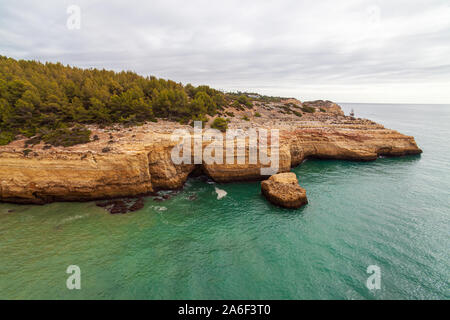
76,217
220,193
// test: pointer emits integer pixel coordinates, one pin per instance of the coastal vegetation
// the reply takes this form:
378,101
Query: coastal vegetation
308,109
220,124
298,114
56,103
53,102
65,136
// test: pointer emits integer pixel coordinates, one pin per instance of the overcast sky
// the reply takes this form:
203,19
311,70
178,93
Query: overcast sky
346,51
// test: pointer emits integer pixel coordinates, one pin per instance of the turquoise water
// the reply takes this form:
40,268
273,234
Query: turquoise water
393,213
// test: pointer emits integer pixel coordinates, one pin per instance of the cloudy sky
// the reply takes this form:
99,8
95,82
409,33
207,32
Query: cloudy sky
346,51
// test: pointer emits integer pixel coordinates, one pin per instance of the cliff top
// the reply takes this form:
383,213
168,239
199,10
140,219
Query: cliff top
285,115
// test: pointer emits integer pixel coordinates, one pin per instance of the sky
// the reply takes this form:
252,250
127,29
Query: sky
373,51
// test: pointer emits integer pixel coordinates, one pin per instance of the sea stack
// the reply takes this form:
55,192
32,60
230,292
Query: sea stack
283,190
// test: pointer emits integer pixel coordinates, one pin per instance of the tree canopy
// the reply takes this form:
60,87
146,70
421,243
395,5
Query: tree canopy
44,99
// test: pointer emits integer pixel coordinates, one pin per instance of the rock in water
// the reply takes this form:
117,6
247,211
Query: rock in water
283,190
138,205
192,197
119,206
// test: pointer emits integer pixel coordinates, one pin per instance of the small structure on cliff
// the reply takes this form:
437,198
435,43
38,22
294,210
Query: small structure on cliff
283,190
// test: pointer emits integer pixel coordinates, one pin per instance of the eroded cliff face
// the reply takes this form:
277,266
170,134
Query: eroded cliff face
358,144
140,160
72,176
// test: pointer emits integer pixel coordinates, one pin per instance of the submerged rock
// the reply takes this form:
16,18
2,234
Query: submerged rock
283,190
139,204
192,197
120,206
103,204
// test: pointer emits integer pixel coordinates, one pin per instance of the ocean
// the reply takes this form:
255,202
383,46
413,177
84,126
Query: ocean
393,213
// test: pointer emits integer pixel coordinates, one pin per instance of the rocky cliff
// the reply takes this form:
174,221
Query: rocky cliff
138,160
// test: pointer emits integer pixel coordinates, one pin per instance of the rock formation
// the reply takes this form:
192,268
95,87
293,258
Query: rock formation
325,105
283,190
138,161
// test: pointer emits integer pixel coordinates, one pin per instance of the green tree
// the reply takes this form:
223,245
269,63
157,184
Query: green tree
207,102
220,124
243,99
39,98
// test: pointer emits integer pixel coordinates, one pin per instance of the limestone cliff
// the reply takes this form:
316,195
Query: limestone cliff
139,160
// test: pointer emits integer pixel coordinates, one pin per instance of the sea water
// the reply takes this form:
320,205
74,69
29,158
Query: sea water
393,213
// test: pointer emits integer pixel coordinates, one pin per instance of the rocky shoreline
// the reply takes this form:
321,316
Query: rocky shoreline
131,162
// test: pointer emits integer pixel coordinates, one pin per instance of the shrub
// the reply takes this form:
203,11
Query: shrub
34,140
201,118
323,110
298,114
243,99
245,118
220,124
230,114
67,137
237,105
308,109
26,152
6,137
257,114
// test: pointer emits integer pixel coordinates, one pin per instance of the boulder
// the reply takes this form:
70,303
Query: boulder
283,190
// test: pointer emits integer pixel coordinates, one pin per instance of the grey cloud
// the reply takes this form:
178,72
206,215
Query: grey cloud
295,48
